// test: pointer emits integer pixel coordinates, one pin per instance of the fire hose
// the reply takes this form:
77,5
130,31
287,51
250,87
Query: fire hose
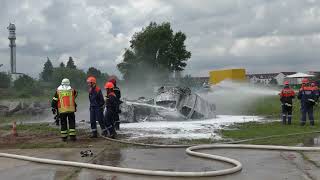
191,150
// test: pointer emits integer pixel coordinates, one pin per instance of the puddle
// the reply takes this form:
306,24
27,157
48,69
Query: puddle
113,157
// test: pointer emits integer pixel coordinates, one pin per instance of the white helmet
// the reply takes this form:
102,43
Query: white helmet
65,82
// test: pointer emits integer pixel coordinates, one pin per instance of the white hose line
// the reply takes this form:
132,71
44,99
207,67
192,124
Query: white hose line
237,165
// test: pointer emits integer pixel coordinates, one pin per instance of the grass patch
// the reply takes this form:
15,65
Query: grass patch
9,119
271,107
35,128
14,94
258,130
45,95
43,135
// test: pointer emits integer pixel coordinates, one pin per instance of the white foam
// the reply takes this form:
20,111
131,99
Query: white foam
197,129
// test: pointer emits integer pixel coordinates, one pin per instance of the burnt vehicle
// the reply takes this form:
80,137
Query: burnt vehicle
170,103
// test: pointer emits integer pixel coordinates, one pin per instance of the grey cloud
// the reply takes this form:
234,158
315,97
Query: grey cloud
260,35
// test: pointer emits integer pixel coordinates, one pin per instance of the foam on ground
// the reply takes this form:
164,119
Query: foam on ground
197,129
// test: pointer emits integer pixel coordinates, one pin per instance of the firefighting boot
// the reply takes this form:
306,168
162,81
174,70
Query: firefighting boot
312,123
117,126
284,119
113,133
105,133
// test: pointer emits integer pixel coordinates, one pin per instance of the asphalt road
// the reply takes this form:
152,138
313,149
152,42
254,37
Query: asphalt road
257,164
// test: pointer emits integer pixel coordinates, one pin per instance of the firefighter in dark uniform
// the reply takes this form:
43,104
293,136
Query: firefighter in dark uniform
307,98
111,109
117,92
96,107
286,96
64,102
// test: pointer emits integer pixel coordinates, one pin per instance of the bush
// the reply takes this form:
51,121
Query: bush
26,87
24,82
101,77
4,80
76,77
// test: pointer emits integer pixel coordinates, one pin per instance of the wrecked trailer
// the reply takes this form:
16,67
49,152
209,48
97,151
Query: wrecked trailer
170,103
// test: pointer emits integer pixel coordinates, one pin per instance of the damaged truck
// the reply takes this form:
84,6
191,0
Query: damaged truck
170,103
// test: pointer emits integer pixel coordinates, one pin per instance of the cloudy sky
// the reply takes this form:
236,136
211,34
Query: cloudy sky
259,35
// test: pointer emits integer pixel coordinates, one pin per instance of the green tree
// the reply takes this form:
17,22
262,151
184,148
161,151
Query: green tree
24,82
77,77
129,64
105,76
5,80
94,72
46,74
26,87
154,50
62,65
70,64
101,77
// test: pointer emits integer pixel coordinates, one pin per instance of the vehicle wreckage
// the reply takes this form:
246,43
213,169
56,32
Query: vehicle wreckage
170,103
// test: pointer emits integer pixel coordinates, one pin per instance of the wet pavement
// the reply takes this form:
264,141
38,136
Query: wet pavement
257,164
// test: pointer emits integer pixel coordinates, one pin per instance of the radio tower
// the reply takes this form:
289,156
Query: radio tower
12,38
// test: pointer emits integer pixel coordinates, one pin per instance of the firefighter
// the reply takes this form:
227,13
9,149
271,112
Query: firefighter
286,96
96,107
111,109
64,102
117,92
307,98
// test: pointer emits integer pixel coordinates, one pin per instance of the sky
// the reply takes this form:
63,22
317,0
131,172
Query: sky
259,35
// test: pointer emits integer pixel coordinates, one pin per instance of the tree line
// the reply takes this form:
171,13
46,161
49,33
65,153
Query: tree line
50,78
54,75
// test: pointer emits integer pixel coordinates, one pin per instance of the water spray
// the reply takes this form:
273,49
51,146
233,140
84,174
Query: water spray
149,105
232,97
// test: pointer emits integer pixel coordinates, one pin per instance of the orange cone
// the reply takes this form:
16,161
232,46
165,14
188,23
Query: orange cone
14,129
